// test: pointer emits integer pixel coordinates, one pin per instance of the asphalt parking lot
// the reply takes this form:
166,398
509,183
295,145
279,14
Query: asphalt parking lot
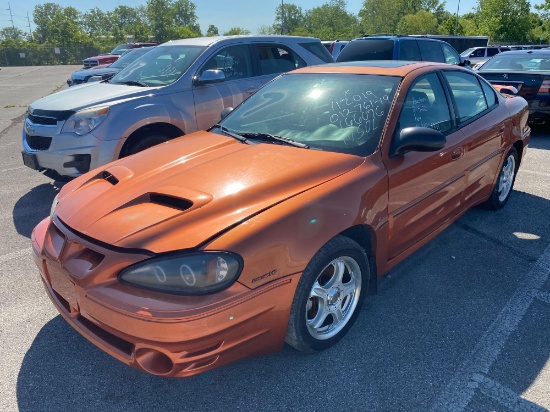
461,325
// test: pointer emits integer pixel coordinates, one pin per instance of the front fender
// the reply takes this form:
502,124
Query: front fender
282,240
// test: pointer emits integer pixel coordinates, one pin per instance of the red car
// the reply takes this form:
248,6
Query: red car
276,223
105,59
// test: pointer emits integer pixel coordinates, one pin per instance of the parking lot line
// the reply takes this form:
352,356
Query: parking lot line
463,385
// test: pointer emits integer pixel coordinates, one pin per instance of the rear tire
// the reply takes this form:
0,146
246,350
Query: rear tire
505,181
329,296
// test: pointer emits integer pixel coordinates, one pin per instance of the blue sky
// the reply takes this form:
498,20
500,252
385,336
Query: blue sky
224,14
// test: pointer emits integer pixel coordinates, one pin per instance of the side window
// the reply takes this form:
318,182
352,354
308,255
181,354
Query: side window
491,51
408,50
478,53
467,94
425,106
431,51
490,95
233,60
278,59
451,57
319,50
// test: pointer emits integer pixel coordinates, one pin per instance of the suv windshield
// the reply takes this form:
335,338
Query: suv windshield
160,67
466,52
121,49
334,112
129,57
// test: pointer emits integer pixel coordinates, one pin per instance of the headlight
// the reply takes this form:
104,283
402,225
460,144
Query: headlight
85,120
54,205
190,273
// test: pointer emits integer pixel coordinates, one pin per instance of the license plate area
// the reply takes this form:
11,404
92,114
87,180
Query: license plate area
63,286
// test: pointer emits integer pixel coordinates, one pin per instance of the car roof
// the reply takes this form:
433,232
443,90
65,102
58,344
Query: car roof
421,38
207,41
379,67
538,52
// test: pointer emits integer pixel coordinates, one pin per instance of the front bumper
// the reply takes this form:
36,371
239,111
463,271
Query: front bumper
167,335
64,153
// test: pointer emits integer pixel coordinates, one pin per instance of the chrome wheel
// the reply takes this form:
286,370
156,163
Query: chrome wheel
333,298
506,178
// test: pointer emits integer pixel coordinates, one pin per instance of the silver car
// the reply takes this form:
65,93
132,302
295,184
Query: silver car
176,88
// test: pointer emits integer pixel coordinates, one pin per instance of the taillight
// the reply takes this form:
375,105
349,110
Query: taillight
545,86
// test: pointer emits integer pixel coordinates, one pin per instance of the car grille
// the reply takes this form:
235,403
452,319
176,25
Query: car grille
90,63
47,121
38,142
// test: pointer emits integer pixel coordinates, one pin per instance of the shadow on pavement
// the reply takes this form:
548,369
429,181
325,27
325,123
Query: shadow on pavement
539,138
429,314
34,206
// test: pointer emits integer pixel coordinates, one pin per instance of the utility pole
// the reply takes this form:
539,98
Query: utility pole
282,16
11,17
29,21
456,20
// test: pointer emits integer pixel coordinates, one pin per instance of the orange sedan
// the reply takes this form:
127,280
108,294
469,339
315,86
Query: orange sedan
276,223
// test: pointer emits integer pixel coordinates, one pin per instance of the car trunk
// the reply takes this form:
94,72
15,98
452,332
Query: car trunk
527,84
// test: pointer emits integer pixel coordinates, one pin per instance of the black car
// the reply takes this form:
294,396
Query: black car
529,72
400,48
105,73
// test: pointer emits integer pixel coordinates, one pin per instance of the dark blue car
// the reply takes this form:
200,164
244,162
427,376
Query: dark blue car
105,73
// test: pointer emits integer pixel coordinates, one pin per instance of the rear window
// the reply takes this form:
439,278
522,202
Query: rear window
318,50
367,50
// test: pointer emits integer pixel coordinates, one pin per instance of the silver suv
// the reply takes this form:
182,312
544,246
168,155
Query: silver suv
176,88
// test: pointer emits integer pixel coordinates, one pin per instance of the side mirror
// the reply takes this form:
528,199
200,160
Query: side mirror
417,139
225,112
464,62
95,78
210,76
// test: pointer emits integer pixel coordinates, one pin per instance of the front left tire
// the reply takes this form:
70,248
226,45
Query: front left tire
329,296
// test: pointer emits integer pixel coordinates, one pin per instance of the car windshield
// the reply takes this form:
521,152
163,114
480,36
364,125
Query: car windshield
466,52
120,49
129,57
160,67
343,113
515,62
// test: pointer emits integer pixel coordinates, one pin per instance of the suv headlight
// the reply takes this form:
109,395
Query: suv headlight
196,273
85,121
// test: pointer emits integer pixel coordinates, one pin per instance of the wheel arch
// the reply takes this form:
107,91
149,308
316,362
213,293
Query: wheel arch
167,129
366,237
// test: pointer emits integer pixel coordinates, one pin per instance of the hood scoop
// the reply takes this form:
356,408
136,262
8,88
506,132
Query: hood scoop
170,201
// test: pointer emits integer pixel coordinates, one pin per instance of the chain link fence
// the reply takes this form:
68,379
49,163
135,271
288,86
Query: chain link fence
40,55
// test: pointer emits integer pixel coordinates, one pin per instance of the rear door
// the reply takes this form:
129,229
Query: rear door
274,59
483,122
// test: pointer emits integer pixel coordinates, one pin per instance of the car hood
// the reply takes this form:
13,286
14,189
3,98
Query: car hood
82,74
182,193
76,98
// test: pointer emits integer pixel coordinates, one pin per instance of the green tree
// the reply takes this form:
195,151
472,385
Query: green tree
97,23
212,31
447,27
288,18
332,21
233,31
12,33
167,17
422,22
505,20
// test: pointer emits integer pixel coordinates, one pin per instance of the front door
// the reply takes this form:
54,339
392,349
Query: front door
425,188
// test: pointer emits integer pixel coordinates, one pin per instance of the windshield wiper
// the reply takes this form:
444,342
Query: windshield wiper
132,83
227,132
274,139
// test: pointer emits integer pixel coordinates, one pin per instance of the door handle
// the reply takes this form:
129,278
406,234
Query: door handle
457,153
